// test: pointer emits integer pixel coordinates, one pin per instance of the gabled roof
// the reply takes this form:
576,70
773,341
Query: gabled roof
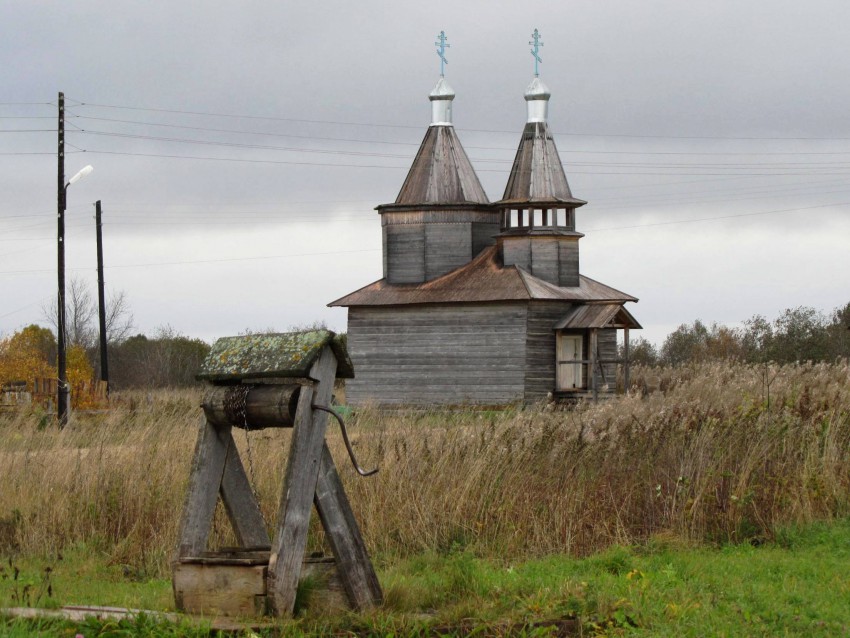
441,173
259,356
597,316
482,279
537,175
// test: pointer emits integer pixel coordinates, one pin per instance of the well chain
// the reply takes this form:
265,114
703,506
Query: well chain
236,409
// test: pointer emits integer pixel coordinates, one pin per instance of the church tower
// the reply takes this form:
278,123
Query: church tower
441,218
537,211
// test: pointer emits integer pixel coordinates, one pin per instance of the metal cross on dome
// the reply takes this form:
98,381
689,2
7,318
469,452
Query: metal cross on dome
536,51
442,45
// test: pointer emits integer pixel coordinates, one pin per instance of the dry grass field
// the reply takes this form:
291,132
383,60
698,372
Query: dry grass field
719,452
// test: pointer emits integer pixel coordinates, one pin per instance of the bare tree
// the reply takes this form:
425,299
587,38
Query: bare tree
81,324
119,319
81,320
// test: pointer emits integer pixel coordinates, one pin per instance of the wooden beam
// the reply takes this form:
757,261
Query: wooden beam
204,480
352,560
299,486
593,357
239,501
626,360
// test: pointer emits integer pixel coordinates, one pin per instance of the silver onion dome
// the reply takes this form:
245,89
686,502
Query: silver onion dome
537,99
441,103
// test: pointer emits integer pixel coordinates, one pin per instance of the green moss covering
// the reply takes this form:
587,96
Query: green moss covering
288,354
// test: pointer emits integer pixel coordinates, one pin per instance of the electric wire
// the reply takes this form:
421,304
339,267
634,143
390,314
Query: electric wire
468,146
339,252
384,125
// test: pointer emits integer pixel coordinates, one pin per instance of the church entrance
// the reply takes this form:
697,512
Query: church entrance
570,361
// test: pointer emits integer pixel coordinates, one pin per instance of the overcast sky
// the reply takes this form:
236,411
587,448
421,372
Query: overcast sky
240,147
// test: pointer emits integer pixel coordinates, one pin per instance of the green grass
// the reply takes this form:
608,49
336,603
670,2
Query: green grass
80,576
796,585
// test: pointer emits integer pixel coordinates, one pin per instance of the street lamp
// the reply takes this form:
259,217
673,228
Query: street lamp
62,394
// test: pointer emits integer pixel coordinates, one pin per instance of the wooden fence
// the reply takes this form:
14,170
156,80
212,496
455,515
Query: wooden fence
44,390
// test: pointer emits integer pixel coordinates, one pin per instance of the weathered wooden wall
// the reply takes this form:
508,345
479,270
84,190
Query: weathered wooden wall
540,348
404,253
422,245
447,246
552,259
568,274
447,354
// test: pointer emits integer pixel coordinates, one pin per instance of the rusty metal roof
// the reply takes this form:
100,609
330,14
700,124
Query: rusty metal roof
537,175
485,278
597,316
441,173
258,356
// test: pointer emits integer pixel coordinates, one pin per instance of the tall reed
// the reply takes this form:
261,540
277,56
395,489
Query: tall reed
706,458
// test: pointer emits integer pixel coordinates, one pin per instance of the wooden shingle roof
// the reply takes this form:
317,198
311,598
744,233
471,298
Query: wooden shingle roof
597,316
482,279
441,173
537,175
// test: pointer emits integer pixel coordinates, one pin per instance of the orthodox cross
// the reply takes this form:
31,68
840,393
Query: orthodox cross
536,51
442,45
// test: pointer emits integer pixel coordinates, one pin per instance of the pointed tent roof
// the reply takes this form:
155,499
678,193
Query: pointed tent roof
537,175
485,278
441,173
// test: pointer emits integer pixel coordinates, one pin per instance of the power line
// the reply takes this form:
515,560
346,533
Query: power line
240,160
240,145
496,148
706,219
339,252
201,261
382,125
482,170
262,133
245,117
721,165
30,153
22,308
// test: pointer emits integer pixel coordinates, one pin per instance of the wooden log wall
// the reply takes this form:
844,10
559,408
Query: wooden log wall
447,354
555,259
568,263
422,245
540,348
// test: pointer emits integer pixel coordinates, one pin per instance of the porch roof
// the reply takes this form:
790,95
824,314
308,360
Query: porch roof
608,315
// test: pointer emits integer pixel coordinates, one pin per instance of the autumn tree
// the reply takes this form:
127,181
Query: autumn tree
28,354
641,351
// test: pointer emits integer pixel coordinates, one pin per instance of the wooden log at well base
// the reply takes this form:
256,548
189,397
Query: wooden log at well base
252,407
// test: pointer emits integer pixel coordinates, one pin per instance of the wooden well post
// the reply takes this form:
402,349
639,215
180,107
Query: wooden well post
257,381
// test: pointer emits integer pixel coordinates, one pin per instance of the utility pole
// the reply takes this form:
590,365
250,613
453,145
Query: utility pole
62,394
104,363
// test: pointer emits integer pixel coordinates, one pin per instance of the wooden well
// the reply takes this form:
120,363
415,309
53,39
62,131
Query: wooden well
257,381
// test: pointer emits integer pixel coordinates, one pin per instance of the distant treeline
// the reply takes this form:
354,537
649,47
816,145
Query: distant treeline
171,360
797,334
165,360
